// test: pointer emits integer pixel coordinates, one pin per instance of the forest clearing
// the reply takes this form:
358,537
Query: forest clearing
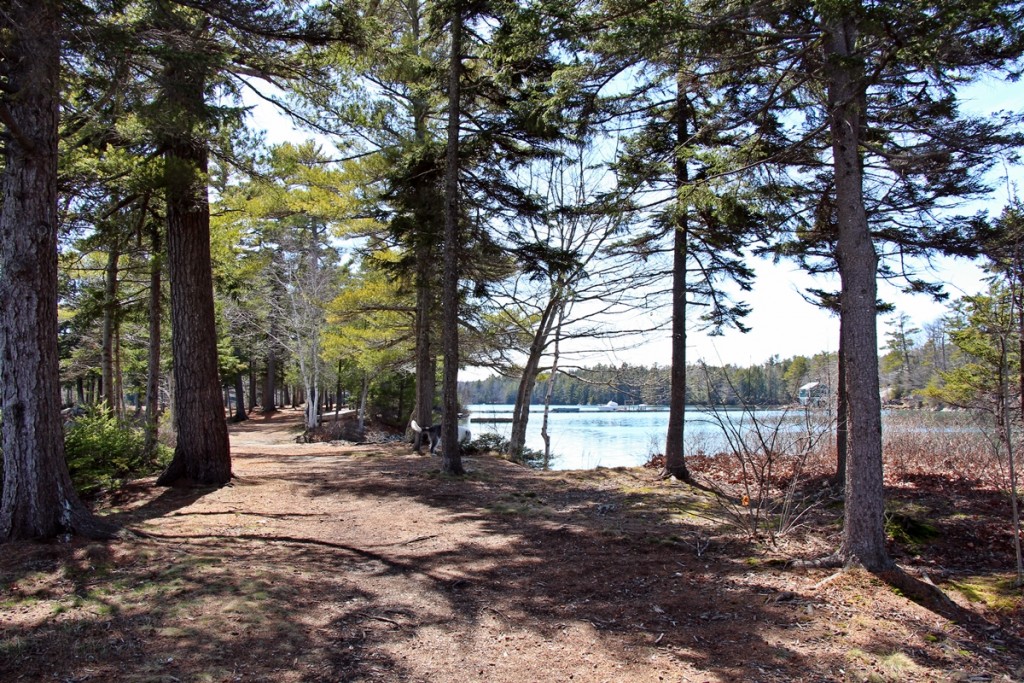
324,562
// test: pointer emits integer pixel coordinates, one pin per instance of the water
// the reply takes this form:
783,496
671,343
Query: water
591,437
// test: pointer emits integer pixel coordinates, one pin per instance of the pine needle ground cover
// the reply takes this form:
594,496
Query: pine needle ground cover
365,563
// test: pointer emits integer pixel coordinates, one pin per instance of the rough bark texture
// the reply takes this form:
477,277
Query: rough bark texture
269,387
425,364
451,463
240,414
426,250
38,498
202,455
110,306
675,460
863,529
153,362
252,384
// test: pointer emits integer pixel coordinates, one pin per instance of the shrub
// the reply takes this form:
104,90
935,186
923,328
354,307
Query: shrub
102,451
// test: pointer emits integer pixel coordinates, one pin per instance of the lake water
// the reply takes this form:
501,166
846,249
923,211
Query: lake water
592,437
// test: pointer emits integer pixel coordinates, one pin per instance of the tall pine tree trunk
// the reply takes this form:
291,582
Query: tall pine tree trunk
38,500
202,455
864,526
240,414
425,243
675,459
425,363
269,384
252,383
451,462
109,321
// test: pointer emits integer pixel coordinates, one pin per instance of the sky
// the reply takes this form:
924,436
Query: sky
782,323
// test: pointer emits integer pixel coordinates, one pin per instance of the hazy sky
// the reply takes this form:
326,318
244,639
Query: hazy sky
781,322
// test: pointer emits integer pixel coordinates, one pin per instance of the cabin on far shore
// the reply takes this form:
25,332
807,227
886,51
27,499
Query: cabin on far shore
812,393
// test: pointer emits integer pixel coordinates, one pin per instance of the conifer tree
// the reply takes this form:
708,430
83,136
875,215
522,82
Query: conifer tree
860,101
38,499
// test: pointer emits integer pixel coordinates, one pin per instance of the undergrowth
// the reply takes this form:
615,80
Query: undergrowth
103,451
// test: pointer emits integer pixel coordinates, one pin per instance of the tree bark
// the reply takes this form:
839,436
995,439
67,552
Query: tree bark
425,243
240,414
252,383
202,456
109,322
425,363
864,525
675,459
528,382
451,462
38,499
269,388
364,393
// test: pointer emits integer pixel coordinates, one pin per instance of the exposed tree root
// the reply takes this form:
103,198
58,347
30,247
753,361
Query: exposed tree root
833,561
84,523
926,594
688,479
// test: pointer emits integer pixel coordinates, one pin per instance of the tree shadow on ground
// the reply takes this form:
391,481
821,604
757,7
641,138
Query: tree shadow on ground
381,568
611,558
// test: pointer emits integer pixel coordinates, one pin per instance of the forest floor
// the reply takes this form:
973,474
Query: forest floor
326,562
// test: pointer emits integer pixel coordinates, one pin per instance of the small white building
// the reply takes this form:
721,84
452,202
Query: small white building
812,393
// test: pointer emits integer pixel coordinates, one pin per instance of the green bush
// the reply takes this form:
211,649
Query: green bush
487,443
102,451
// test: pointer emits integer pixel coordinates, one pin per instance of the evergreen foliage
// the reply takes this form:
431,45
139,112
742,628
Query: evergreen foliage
509,173
103,451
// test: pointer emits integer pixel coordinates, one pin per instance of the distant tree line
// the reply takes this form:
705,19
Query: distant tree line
774,382
914,366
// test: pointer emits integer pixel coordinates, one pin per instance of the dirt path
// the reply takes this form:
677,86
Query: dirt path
329,563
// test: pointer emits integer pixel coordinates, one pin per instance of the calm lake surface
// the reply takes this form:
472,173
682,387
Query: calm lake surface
593,437
585,437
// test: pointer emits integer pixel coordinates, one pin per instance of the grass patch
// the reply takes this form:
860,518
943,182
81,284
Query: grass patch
865,667
997,592
525,503
20,601
697,507
908,530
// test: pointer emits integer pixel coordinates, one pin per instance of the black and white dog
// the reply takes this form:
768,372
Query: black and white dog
434,434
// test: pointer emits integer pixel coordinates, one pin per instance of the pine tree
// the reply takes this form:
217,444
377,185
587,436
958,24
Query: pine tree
877,138
38,500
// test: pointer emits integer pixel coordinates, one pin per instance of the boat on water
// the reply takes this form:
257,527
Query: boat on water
609,406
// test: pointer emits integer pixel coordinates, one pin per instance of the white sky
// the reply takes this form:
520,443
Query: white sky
781,322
